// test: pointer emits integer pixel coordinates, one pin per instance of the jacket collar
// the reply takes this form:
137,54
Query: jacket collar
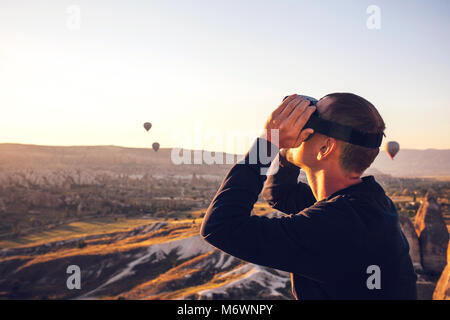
368,184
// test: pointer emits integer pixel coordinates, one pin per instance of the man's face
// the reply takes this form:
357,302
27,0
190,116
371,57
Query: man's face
305,155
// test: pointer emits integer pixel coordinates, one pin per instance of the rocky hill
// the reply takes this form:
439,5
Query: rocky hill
161,260
428,239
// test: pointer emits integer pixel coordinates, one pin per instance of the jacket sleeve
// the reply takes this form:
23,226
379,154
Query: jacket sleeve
282,190
286,243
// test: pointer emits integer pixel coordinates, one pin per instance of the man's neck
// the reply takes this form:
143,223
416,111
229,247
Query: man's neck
324,183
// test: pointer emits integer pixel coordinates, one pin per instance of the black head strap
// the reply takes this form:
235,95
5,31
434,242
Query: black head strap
340,131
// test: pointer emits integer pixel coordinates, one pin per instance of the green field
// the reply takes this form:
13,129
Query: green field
74,230
106,225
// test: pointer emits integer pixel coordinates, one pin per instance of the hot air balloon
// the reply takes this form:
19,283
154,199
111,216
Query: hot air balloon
155,146
391,148
147,126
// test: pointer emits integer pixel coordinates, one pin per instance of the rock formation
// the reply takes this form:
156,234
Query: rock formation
433,235
410,234
426,284
442,291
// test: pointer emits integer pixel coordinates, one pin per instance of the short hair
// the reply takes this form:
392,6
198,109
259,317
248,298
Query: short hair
355,111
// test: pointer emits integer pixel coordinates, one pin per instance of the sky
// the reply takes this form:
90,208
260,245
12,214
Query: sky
207,74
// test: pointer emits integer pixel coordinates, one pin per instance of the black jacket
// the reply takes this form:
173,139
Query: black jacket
327,245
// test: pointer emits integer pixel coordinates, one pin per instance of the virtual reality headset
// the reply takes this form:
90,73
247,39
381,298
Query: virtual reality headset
340,131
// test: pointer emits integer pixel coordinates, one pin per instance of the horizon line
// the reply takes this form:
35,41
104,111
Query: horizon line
161,148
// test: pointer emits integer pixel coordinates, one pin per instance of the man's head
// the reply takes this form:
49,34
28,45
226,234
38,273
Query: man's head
323,152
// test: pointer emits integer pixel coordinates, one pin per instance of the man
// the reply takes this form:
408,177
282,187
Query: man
340,238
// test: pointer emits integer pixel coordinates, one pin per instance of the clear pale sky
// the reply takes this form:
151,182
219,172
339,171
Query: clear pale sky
204,71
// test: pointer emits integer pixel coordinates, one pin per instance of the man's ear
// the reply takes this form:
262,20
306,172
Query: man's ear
326,149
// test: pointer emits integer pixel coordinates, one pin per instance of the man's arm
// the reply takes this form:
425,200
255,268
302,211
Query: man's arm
286,243
282,190
293,243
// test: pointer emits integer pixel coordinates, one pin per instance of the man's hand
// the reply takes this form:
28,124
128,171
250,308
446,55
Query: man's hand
289,118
